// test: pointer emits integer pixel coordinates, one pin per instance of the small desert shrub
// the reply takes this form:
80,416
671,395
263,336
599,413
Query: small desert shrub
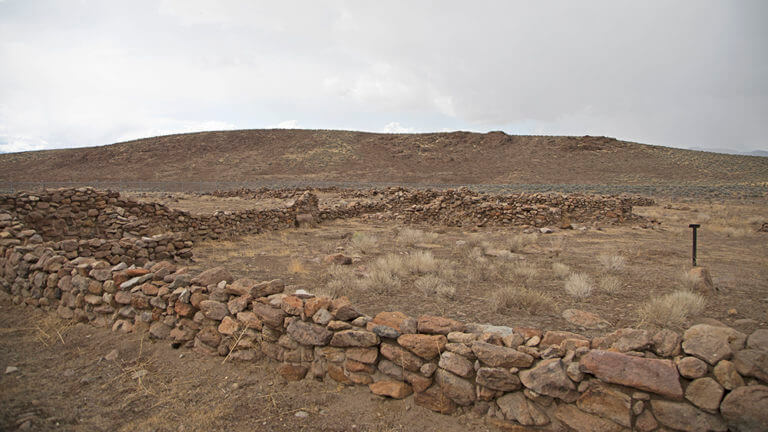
612,263
296,266
561,270
520,297
610,284
431,285
518,242
525,270
420,262
446,270
410,236
479,271
689,280
391,263
380,281
673,309
365,243
579,285
339,280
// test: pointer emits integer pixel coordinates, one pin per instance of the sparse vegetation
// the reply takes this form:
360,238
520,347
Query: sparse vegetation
561,270
689,280
518,242
420,262
612,263
411,237
338,281
431,285
579,285
364,243
521,297
672,310
380,281
610,284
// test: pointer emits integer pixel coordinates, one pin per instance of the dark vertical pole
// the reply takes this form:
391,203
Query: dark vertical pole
693,255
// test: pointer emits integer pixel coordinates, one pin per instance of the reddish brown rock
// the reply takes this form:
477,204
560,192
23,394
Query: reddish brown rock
185,310
692,367
309,334
606,402
705,393
457,389
515,406
268,315
338,259
557,337
212,277
292,372
746,408
726,374
666,343
343,310
249,319
584,319
752,363
623,340
337,373
656,376
434,399
354,338
314,304
228,326
401,357
431,324
712,343
396,320
214,310
497,379
500,356
389,388
238,304
363,355
457,364
583,422
292,305
241,287
356,366
424,346
548,377
139,301
684,417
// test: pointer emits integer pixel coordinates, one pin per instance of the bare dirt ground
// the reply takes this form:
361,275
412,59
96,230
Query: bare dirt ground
64,383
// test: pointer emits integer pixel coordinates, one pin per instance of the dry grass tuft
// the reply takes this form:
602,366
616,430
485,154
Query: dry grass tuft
525,270
612,263
411,236
561,270
689,280
364,243
339,281
579,285
421,262
610,284
296,266
672,310
381,281
520,297
391,263
518,242
431,285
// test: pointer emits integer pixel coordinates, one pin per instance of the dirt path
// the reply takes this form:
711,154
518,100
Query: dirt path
64,382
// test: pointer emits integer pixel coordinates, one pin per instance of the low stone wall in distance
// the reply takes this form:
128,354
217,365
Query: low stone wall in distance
709,378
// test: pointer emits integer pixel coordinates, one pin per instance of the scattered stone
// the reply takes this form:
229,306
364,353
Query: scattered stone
301,414
393,389
112,355
745,409
656,376
11,369
158,330
584,319
684,417
704,284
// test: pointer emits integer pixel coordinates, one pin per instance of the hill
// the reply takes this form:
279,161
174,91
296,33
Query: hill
429,158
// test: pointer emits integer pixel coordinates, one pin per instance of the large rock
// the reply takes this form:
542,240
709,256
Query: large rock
684,417
692,367
401,357
554,337
500,356
515,406
549,378
390,388
434,399
270,316
497,379
752,363
363,355
424,346
585,319
354,338
582,422
656,376
214,310
212,277
726,374
457,364
438,325
623,340
703,284
309,334
397,320
457,389
746,409
712,343
666,343
705,393
758,340
606,402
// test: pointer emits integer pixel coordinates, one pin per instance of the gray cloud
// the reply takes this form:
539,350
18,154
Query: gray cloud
684,74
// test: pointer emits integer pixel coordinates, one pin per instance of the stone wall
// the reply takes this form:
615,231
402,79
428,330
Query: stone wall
708,378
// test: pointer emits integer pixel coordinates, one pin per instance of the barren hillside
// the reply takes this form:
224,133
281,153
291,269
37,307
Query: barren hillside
319,155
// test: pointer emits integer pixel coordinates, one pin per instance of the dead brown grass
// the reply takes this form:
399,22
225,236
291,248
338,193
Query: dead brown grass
522,298
671,310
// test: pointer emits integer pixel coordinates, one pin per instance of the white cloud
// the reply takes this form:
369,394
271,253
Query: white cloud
395,127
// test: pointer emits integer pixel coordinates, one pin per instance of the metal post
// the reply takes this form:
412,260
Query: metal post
693,256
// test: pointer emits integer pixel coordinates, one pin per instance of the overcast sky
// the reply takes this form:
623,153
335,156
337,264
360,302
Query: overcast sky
675,73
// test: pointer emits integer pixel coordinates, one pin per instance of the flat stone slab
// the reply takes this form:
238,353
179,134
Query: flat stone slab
656,376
